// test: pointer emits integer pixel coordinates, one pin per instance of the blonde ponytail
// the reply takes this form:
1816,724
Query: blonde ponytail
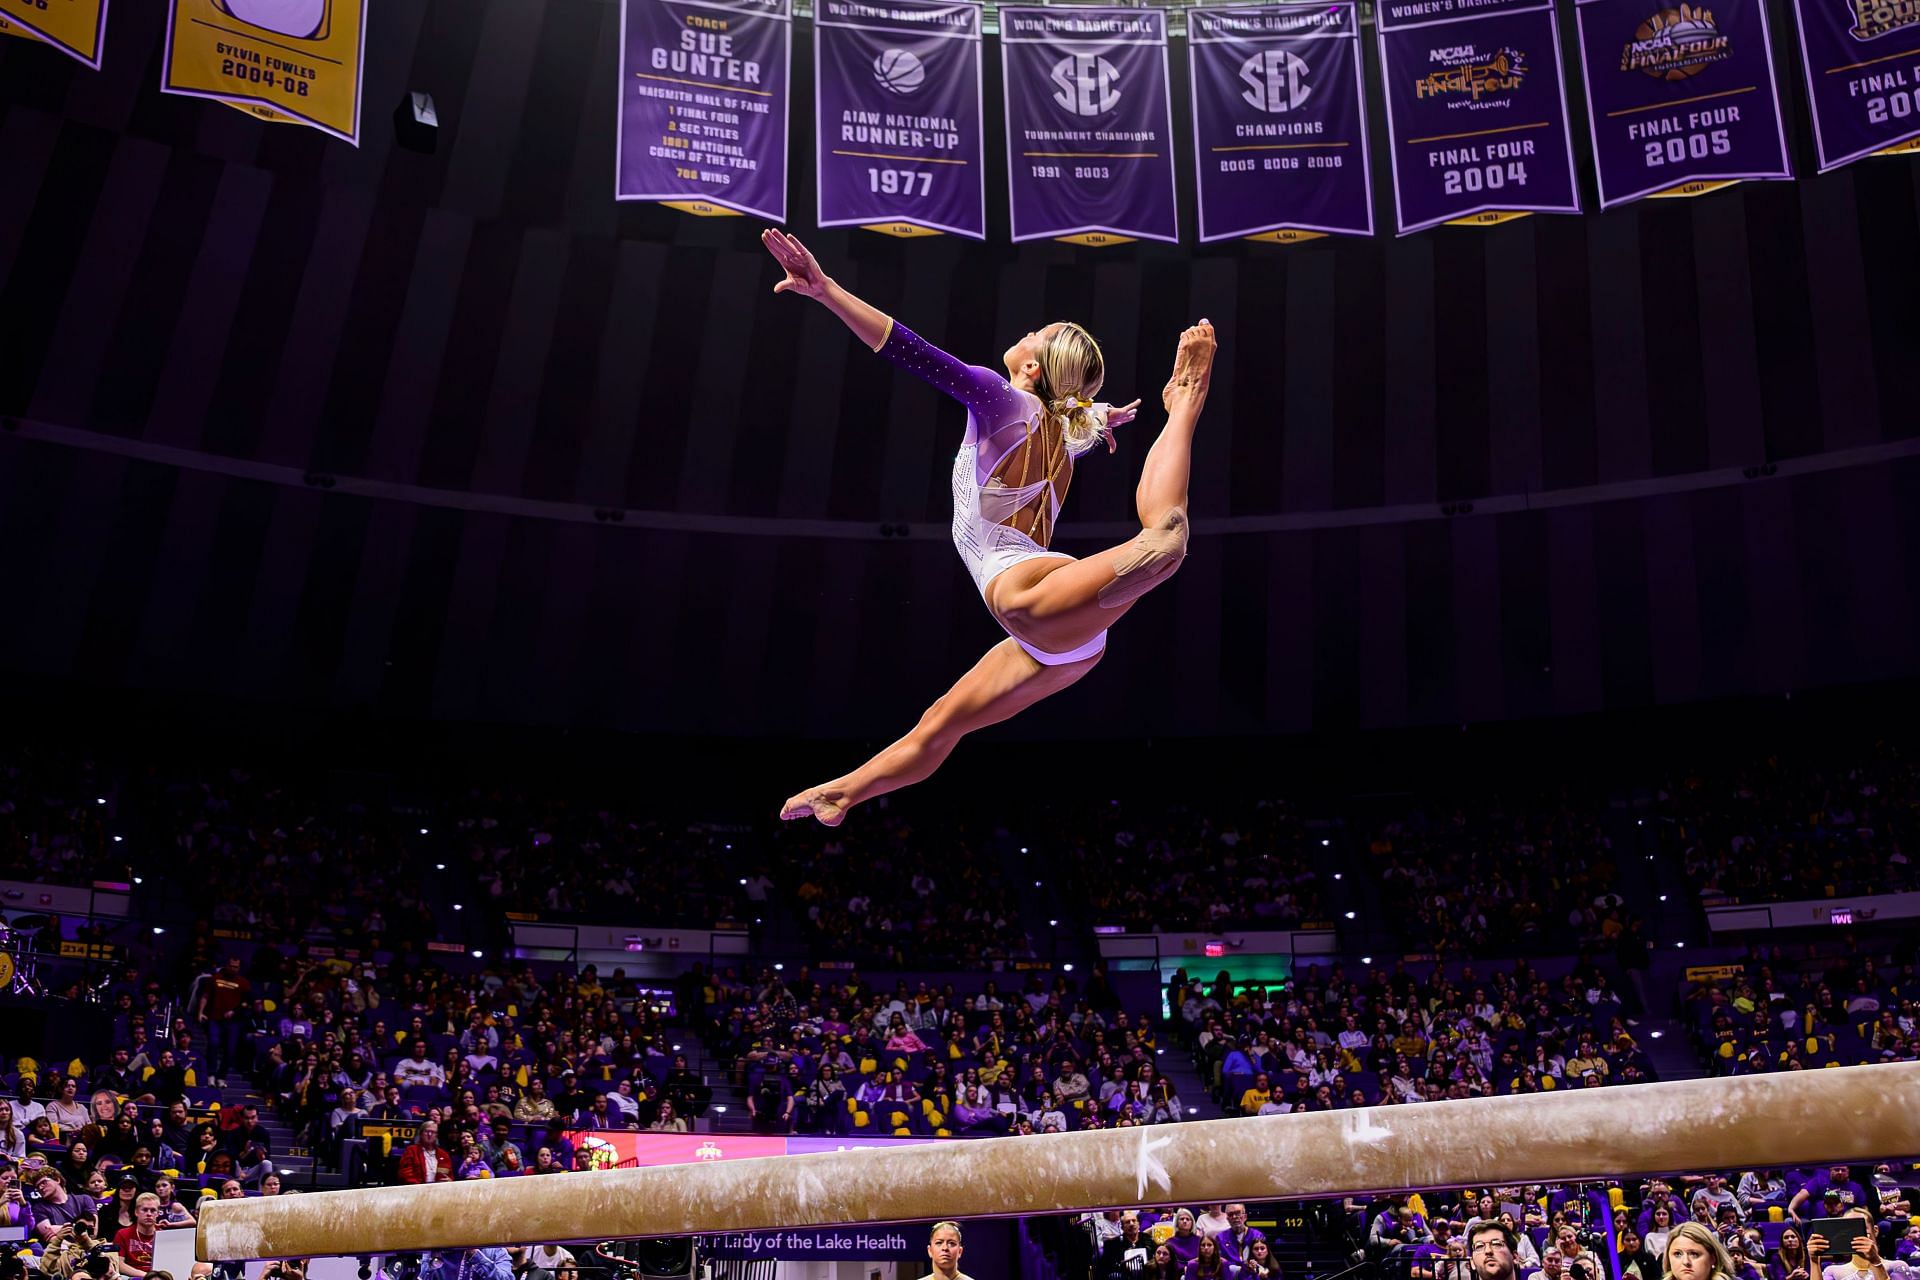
1081,423
1071,371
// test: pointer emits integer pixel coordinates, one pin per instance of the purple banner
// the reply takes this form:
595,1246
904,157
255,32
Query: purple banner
1862,59
1089,124
703,103
1476,110
1279,120
897,114
1680,98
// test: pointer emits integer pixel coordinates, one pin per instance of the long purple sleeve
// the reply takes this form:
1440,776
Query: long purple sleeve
992,403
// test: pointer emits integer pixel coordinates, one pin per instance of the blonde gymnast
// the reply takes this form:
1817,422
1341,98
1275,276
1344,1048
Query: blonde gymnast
1024,431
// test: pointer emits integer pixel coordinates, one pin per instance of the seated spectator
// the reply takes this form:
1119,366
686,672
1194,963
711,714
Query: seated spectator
1238,1235
534,1104
667,1121
424,1160
1125,1256
496,1140
417,1068
625,1104
172,1212
1070,1087
13,1137
134,1244
66,1110
58,1209
1209,1264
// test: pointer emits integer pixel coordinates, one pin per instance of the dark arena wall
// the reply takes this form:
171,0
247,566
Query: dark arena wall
1556,466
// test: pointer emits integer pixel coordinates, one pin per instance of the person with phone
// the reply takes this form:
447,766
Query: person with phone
1864,1261
15,1211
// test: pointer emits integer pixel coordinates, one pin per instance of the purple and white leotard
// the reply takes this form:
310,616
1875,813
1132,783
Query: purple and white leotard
998,418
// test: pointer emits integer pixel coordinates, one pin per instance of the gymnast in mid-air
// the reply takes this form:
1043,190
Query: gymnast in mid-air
1024,431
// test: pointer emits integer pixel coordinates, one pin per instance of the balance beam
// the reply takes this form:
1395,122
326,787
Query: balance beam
1788,1118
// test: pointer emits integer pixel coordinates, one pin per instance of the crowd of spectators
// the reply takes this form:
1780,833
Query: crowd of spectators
1222,865
874,891
1786,827
52,824
1496,877
1766,1224
1773,1014
564,857
1330,1039
841,1056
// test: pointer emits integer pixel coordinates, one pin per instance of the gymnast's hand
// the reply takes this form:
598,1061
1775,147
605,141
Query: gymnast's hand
1121,414
804,275
1192,368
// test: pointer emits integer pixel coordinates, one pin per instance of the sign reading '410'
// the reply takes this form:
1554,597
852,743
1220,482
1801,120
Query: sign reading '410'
297,61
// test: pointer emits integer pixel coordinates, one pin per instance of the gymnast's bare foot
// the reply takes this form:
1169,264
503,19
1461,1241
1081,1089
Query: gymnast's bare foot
1192,367
816,802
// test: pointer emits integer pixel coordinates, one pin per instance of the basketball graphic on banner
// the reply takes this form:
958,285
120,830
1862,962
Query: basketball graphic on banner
899,71
301,19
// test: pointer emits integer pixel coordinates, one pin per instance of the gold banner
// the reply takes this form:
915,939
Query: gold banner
78,28
279,60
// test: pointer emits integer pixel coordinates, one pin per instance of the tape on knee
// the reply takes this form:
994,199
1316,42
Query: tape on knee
1150,560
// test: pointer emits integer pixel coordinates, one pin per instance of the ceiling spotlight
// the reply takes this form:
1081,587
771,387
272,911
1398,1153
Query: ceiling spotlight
1350,915
118,839
159,929
479,955
458,907
423,831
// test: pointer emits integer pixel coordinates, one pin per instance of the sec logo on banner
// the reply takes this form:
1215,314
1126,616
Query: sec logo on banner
296,61
1276,81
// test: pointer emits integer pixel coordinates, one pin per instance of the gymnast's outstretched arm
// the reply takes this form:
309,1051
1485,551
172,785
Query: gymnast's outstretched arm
804,277
991,403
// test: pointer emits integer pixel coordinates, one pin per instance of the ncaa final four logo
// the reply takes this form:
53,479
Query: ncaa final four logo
300,19
1276,82
1466,72
1676,44
1875,18
1086,84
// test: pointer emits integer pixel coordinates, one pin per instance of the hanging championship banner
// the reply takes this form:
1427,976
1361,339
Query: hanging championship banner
703,104
1862,61
1279,121
1089,124
296,60
1476,111
1681,101
897,116
77,28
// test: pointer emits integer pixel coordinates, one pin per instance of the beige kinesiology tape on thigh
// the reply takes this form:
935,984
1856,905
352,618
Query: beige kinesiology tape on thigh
1149,560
